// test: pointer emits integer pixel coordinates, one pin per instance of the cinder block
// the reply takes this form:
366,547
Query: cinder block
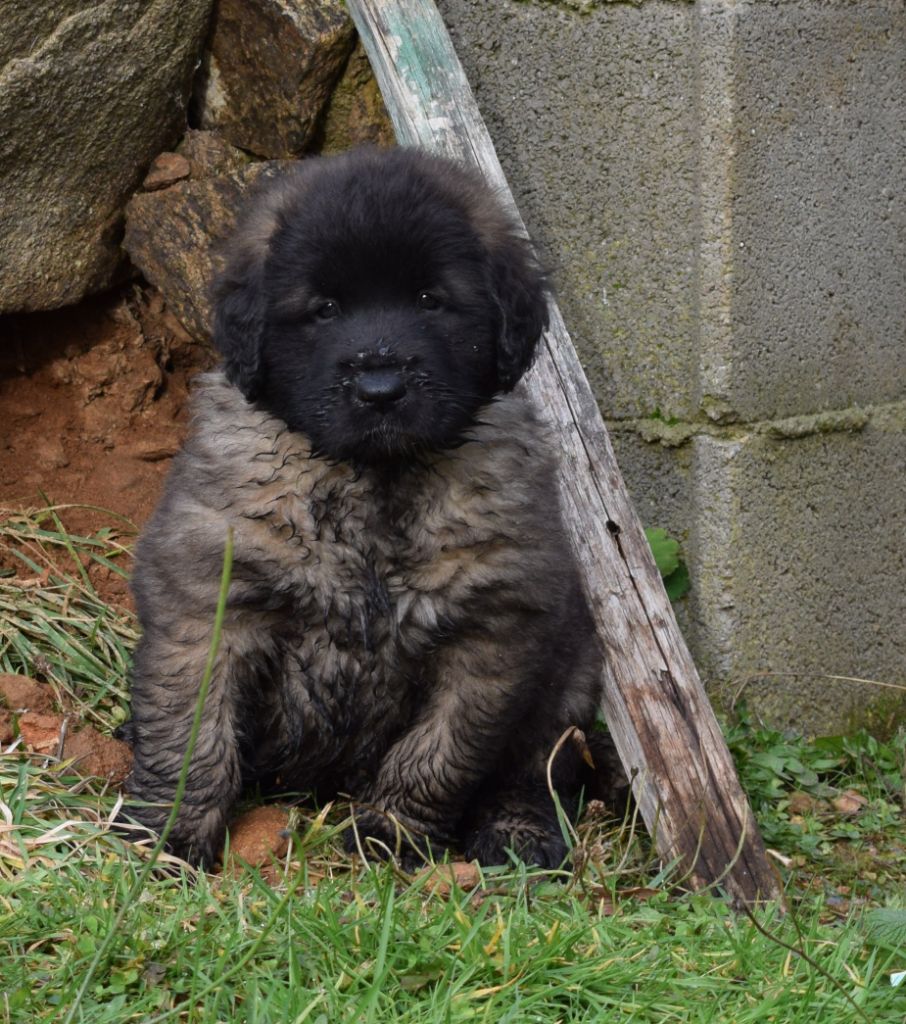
720,189
594,119
797,556
794,537
818,207
659,477
661,481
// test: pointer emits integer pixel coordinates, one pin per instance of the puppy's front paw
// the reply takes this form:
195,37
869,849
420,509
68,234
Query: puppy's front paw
381,835
197,836
536,843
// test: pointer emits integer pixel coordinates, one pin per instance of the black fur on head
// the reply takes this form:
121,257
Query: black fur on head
375,301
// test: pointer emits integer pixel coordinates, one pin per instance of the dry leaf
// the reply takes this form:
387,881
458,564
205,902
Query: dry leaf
803,803
849,802
603,902
441,878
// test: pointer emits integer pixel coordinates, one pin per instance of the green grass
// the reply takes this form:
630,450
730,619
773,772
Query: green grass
336,941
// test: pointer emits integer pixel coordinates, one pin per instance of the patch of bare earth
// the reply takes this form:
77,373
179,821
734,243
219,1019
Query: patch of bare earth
93,405
28,709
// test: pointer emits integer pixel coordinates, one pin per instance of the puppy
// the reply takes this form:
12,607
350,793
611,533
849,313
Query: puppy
405,622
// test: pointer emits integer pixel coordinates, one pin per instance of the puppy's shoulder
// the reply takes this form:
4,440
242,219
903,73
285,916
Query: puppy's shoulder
242,464
511,442
502,482
225,425
231,452
234,448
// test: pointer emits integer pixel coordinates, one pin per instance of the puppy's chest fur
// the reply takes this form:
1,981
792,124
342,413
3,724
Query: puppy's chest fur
366,574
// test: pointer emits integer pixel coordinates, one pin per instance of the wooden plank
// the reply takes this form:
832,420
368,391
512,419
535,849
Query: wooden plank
662,722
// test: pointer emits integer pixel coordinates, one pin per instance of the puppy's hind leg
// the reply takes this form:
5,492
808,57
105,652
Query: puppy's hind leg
166,676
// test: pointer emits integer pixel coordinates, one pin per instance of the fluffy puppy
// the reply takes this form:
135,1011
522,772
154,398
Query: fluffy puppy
405,622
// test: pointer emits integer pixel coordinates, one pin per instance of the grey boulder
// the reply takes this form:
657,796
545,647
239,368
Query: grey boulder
90,93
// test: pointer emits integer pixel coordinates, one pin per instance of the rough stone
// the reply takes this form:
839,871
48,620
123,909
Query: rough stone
41,732
210,154
356,114
165,170
21,693
98,755
172,236
260,836
269,70
90,92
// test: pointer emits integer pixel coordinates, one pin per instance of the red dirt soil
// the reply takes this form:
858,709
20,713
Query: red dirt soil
93,405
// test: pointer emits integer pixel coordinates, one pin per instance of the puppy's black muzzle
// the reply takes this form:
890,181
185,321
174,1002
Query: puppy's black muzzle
380,388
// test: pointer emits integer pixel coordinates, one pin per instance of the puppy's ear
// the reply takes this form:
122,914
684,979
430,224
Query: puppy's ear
239,314
521,290
240,305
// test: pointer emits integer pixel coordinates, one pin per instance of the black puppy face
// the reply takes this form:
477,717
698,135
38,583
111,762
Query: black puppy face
377,302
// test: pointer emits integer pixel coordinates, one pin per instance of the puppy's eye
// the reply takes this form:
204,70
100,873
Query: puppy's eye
427,300
328,310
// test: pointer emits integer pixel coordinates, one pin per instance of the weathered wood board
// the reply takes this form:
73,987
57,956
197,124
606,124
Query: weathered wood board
668,738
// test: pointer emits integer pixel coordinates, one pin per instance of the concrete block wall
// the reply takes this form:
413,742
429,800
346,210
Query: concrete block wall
720,188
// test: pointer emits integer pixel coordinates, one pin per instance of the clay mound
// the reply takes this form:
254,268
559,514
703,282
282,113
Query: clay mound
92,753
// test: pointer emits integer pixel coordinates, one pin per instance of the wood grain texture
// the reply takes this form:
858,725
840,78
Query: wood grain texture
668,738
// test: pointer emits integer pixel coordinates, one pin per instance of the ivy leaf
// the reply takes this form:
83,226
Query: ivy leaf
677,583
665,550
666,557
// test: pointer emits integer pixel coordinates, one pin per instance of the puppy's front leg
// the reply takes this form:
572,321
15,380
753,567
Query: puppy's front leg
427,776
168,668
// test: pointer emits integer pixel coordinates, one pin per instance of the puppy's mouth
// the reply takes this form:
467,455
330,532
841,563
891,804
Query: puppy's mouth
390,415
383,444
372,417
387,439
391,431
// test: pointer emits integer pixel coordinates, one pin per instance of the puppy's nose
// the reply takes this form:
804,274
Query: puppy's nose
383,387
